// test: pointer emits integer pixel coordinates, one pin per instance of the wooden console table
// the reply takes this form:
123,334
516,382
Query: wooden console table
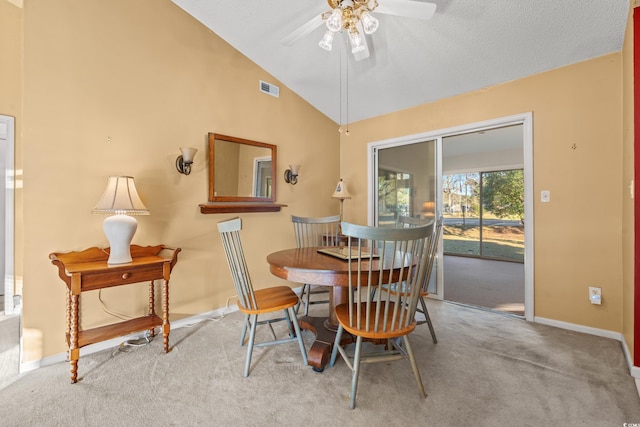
88,270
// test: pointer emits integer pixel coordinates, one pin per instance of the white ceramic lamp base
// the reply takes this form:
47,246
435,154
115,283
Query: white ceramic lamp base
119,229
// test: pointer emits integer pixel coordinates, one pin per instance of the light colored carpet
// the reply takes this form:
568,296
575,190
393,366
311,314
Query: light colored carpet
486,370
497,285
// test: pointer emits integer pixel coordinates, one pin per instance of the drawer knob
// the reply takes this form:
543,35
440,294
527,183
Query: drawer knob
126,275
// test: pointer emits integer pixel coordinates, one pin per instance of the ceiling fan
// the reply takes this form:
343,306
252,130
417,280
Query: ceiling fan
356,18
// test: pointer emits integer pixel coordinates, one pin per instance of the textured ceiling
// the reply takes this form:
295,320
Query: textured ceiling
467,45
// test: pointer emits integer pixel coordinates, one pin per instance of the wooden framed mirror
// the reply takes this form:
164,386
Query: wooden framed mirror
241,170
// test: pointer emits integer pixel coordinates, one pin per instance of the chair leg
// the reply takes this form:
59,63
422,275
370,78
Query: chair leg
299,335
426,315
356,372
243,336
336,344
289,323
308,301
301,297
252,337
414,366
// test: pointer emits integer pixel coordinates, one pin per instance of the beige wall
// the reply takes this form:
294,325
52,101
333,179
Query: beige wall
116,87
628,136
578,235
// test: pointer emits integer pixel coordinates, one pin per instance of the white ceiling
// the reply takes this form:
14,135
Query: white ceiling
467,45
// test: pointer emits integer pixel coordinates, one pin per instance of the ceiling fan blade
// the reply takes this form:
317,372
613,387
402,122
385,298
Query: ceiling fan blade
302,30
406,8
363,54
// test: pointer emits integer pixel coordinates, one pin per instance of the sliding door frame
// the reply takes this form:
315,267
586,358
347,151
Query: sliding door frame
526,120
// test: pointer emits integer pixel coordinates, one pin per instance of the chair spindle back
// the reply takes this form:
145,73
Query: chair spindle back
402,254
320,231
434,239
230,235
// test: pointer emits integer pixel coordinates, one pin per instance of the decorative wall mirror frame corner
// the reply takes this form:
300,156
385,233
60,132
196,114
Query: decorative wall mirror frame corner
241,175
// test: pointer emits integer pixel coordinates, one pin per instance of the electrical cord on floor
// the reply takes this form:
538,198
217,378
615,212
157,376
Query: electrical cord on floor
130,345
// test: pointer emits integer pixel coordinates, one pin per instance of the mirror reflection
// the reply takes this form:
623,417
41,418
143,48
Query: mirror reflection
240,169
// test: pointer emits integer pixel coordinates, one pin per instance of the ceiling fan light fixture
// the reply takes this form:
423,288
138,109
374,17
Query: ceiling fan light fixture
327,40
334,21
369,23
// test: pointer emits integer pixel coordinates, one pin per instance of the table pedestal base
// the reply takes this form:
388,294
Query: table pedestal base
320,352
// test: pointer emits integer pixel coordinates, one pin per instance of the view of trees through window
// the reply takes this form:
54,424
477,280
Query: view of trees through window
394,196
484,214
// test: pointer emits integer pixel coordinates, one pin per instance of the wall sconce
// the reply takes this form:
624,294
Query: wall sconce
183,162
291,174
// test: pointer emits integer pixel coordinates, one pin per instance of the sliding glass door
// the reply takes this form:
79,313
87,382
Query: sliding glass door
406,177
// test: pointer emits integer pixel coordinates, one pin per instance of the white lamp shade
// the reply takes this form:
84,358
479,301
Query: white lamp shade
188,154
341,191
121,197
294,169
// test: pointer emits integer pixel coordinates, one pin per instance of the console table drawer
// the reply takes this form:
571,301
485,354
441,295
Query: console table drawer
121,276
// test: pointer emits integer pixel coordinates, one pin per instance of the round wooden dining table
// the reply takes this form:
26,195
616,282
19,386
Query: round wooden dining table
307,265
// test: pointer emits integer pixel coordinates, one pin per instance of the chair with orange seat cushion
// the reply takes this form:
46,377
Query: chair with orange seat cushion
257,302
381,257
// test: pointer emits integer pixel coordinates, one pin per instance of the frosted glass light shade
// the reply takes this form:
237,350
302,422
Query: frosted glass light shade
188,154
356,42
334,21
369,23
327,40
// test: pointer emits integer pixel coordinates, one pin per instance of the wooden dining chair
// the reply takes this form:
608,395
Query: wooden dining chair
408,222
257,302
381,257
311,232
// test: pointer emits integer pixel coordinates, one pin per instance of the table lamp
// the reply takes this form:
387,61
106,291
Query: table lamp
341,193
120,199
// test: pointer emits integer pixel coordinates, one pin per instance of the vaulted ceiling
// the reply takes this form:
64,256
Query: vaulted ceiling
467,45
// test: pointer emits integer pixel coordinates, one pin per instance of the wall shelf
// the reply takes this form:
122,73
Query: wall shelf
216,208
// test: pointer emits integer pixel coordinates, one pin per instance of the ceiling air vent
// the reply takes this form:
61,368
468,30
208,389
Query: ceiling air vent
270,89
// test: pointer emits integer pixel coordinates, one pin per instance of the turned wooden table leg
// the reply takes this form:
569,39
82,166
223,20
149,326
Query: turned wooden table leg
68,327
152,303
166,328
74,350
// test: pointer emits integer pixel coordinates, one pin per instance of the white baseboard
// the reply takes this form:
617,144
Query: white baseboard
579,328
633,370
115,342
